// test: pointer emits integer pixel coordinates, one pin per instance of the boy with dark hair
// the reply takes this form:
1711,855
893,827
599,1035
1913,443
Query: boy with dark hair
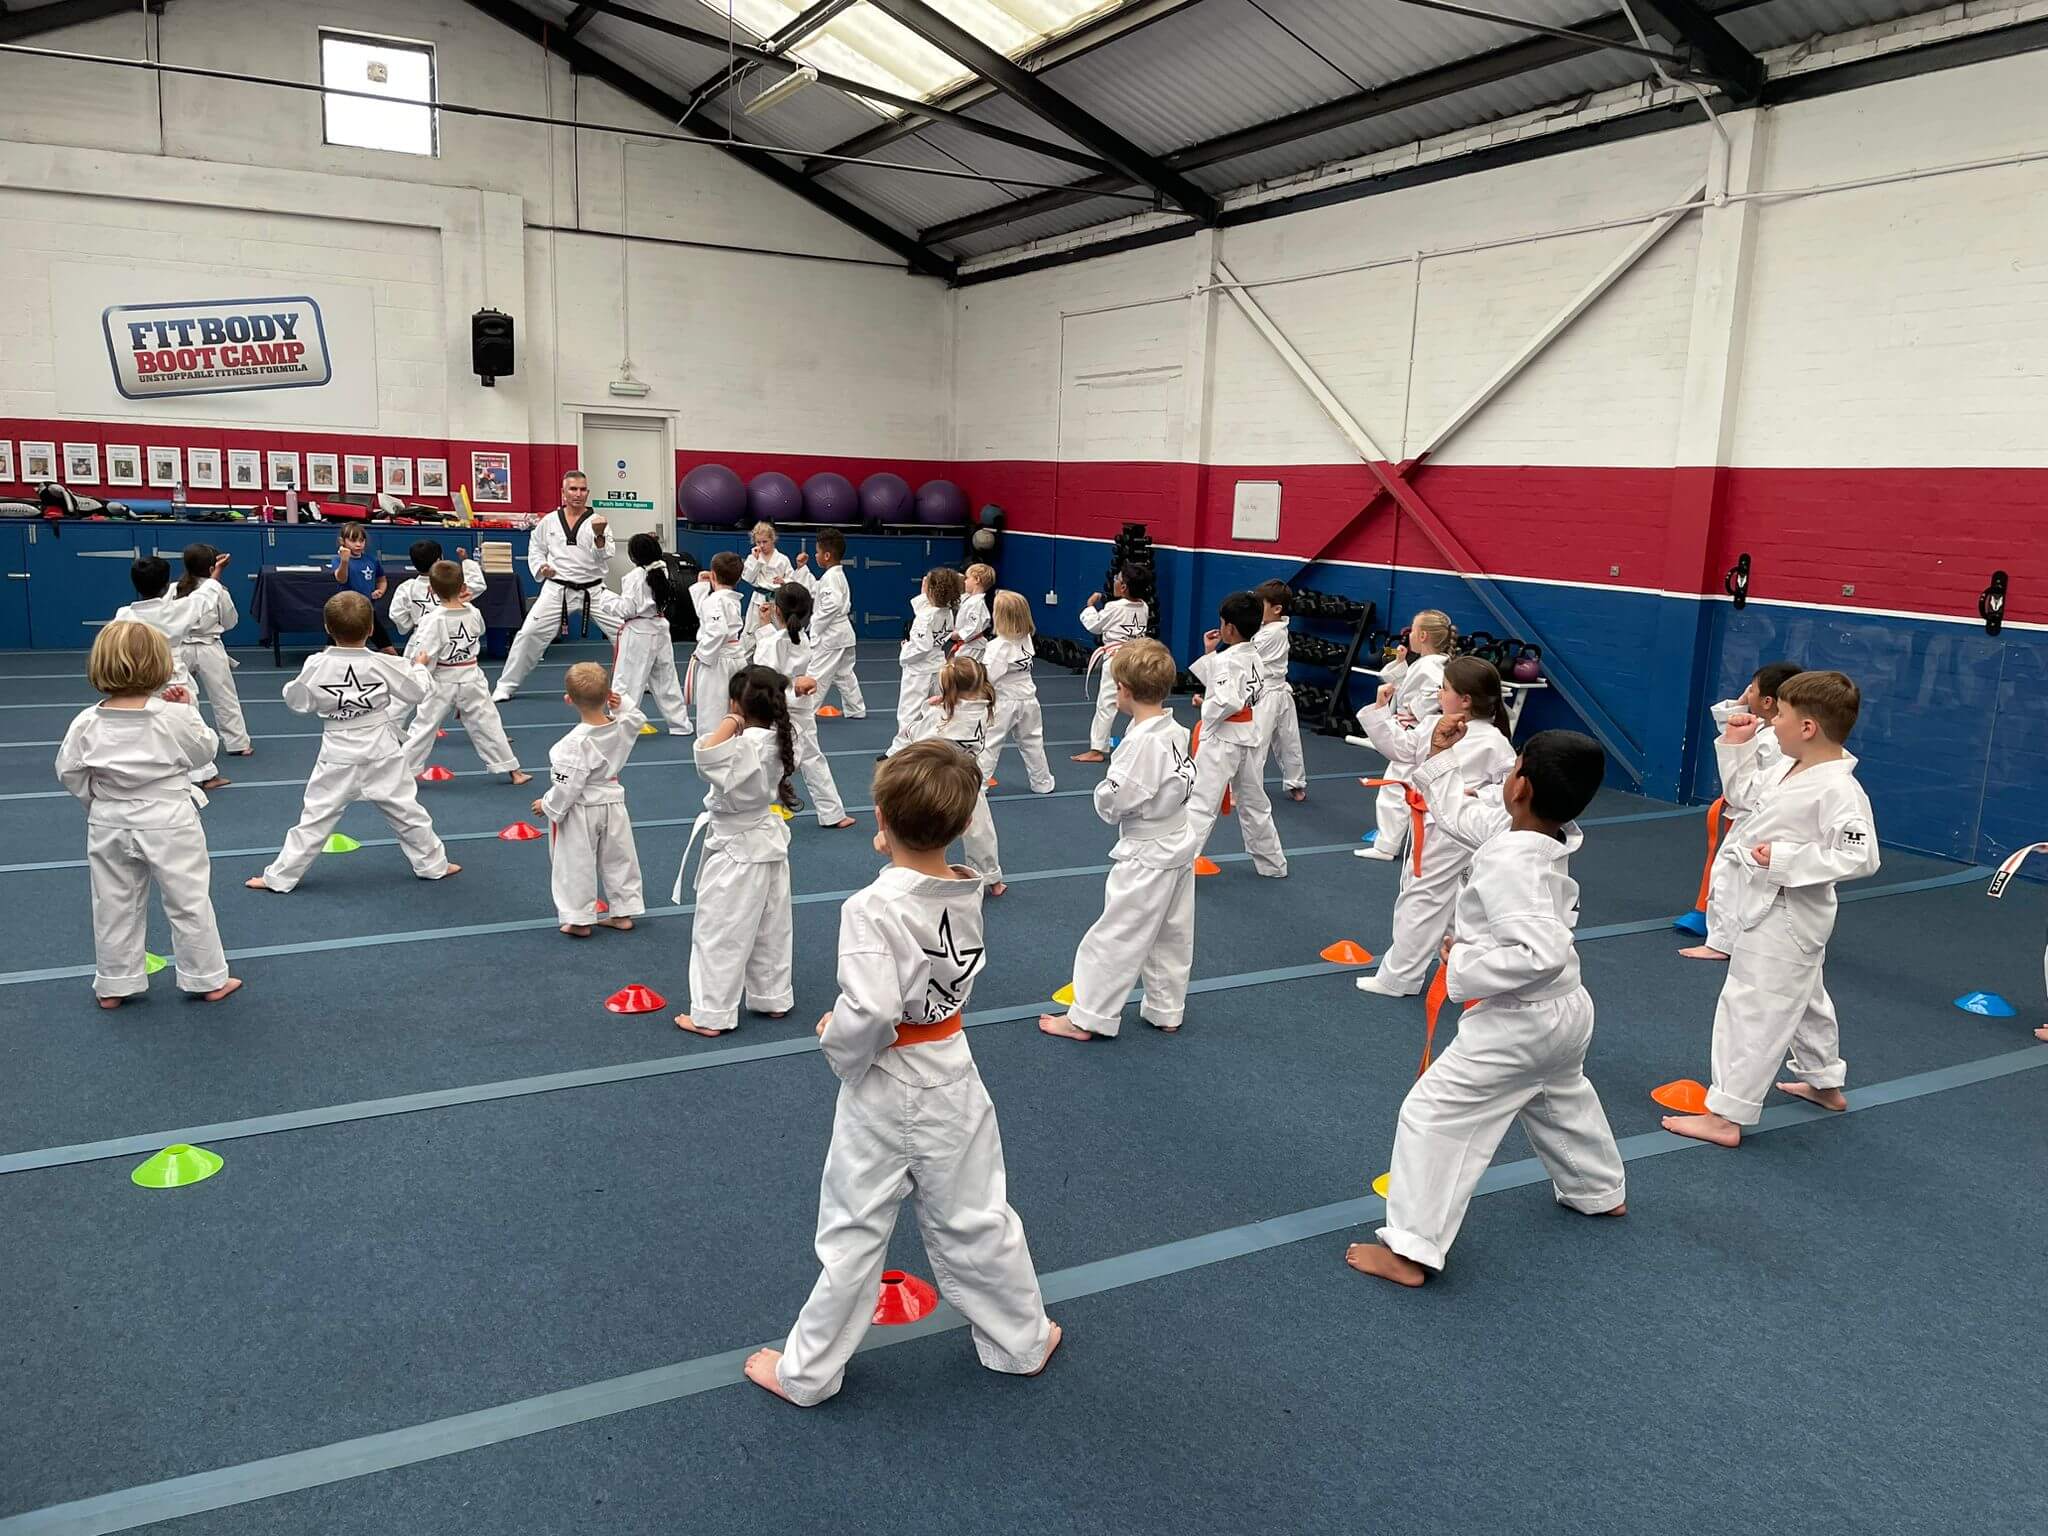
1520,1052
1228,759
1279,722
1724,875
832,637
413,599
718,653
1126,617
448,648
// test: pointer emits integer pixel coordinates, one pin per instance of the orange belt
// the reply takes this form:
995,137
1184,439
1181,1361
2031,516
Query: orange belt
1418,814
1439,994
925,1034
1713,846
1242,717
1195,745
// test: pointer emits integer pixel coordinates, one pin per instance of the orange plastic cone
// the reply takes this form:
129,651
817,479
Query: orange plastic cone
436,774
991,783
904,1299
635,999
1207,866
1344,952
520,832
1684,1095
440,735
828,711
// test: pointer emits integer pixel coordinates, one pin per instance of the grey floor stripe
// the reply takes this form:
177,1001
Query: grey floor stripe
591,1077
227,1487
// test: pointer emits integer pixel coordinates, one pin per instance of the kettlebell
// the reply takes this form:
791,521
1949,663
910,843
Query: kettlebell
1528,664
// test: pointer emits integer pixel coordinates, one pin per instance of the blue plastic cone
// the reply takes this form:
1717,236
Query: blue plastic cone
1989,1004
1694,923
1369,837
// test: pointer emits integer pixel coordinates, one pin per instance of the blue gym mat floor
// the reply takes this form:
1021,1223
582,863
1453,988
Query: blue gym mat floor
485,1257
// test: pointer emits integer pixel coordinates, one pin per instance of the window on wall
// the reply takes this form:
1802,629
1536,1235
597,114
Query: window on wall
399,79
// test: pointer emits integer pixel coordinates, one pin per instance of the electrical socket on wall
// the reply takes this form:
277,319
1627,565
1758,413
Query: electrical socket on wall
1052,598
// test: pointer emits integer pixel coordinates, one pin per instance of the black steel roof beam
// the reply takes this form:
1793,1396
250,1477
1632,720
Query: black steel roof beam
15,26
586,60
1022,86
1717,57
799,27
579,19
850,87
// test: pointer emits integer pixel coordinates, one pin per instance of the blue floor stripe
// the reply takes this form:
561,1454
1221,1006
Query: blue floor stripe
228,1487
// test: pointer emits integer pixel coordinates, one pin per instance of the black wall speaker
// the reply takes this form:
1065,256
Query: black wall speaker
490,345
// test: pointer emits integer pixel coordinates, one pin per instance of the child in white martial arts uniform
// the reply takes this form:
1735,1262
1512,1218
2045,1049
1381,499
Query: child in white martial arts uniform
961,714
1807,827
832,637
413,598
1279,721
205,659
1520,1054
353,690
741,926
784,645
569,551
1724,874
923,652
765,569
448,646
1411,698
971,624
1018,716
1470,693
1229,757
1124,619
717,656
173,618
1147,928
646,656
129,761
590,836
913,1118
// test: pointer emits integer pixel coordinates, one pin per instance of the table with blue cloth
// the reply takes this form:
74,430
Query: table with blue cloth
289,600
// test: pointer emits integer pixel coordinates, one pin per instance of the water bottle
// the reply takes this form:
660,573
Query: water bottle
178,497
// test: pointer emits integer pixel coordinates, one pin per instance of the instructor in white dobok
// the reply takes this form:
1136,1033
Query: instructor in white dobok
568,554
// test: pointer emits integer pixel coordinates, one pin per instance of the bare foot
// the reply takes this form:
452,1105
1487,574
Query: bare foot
1616,1210
1052,1344
1378,1259
778,1013
2041,1033
521,776
684,1021
1297,794
761,1371
255,883
452,869
623,924
838,826
245,752
577,930
1710,1127
1702,952
1090,756
997,889
112,1002
216,782
1058,1024
1826,1098
231,985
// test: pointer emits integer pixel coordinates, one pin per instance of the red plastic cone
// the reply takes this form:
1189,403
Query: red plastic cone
1684,1095
904,1298
635,999
520,832
602,907
440,735
828,711
1207,866
1344,952
436,774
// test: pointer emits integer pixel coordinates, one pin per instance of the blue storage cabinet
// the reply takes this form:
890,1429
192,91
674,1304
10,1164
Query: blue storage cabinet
14,583
242,541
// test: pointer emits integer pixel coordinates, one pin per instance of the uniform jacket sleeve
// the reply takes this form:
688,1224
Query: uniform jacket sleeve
540,545
298,693
1742,770
407,682
1395,742
224,608
72,772
195,738
474,581
1468,819
1526,943
1128,787
726,766
1846,850
568,783
870,1001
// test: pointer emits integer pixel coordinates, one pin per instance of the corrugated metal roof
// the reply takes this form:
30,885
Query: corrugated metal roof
1779,22
1097,210
907,199
669,62
1378,43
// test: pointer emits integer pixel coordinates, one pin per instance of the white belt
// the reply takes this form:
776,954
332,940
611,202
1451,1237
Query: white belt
1155,830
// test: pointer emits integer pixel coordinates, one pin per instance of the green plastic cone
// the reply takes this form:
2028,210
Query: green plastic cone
340,842
177,1166
151,964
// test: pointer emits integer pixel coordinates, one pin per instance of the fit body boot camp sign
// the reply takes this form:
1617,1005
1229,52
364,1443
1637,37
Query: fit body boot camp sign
216,347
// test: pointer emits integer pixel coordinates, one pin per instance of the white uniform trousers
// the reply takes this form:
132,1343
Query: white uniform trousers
914,691
592,851
1021,721
123,862
333,788
542,625
1423,910
816,770
1724,886
207,661
1510,1062
834,669
1236,765
706,690
1772,1002
741,934
978,844
941,1147
1391,816
1280,724
1103,721
1146,931
646,663
460,691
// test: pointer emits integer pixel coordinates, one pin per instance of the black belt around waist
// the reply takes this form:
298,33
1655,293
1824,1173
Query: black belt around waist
584,587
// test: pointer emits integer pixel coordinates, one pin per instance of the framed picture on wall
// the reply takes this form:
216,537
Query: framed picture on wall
433,477
82,463
124,464
163,466
245,469
362,474
323,473
6,460
397,477
284,470
490,477
202,466
38,461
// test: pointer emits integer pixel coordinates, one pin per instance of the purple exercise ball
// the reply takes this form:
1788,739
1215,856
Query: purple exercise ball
772,497
830,498
712,494
885,498
941,504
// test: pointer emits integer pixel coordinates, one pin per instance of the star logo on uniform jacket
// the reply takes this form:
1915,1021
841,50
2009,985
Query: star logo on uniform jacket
353,695
1183,765
952,969
456,648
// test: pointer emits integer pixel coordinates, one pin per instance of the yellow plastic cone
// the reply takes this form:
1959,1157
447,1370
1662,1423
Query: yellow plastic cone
177,1166
1065,996
151,964
1381,1184
780,811
339,842
649,728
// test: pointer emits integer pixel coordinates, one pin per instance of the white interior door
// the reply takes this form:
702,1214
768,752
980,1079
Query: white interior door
632,471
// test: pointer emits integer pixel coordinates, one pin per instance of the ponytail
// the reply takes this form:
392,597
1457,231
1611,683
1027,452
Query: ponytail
198,560
1478,680
793,602
963,678
658,587
762,695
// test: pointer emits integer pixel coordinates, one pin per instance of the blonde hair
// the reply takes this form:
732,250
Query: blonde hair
1146,668
985,574
1437,626
925,794
588,684
761,528
349,618
1829,699
942,587
1012,612
128,659
444,578
963,678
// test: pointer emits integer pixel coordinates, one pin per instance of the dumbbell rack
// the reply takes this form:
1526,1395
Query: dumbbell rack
1328,608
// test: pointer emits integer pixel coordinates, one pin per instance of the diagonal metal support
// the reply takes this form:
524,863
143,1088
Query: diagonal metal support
799,27
1717,56
579,19
1021,85
18,26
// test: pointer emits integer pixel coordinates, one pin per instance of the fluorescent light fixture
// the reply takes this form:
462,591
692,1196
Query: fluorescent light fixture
780,91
